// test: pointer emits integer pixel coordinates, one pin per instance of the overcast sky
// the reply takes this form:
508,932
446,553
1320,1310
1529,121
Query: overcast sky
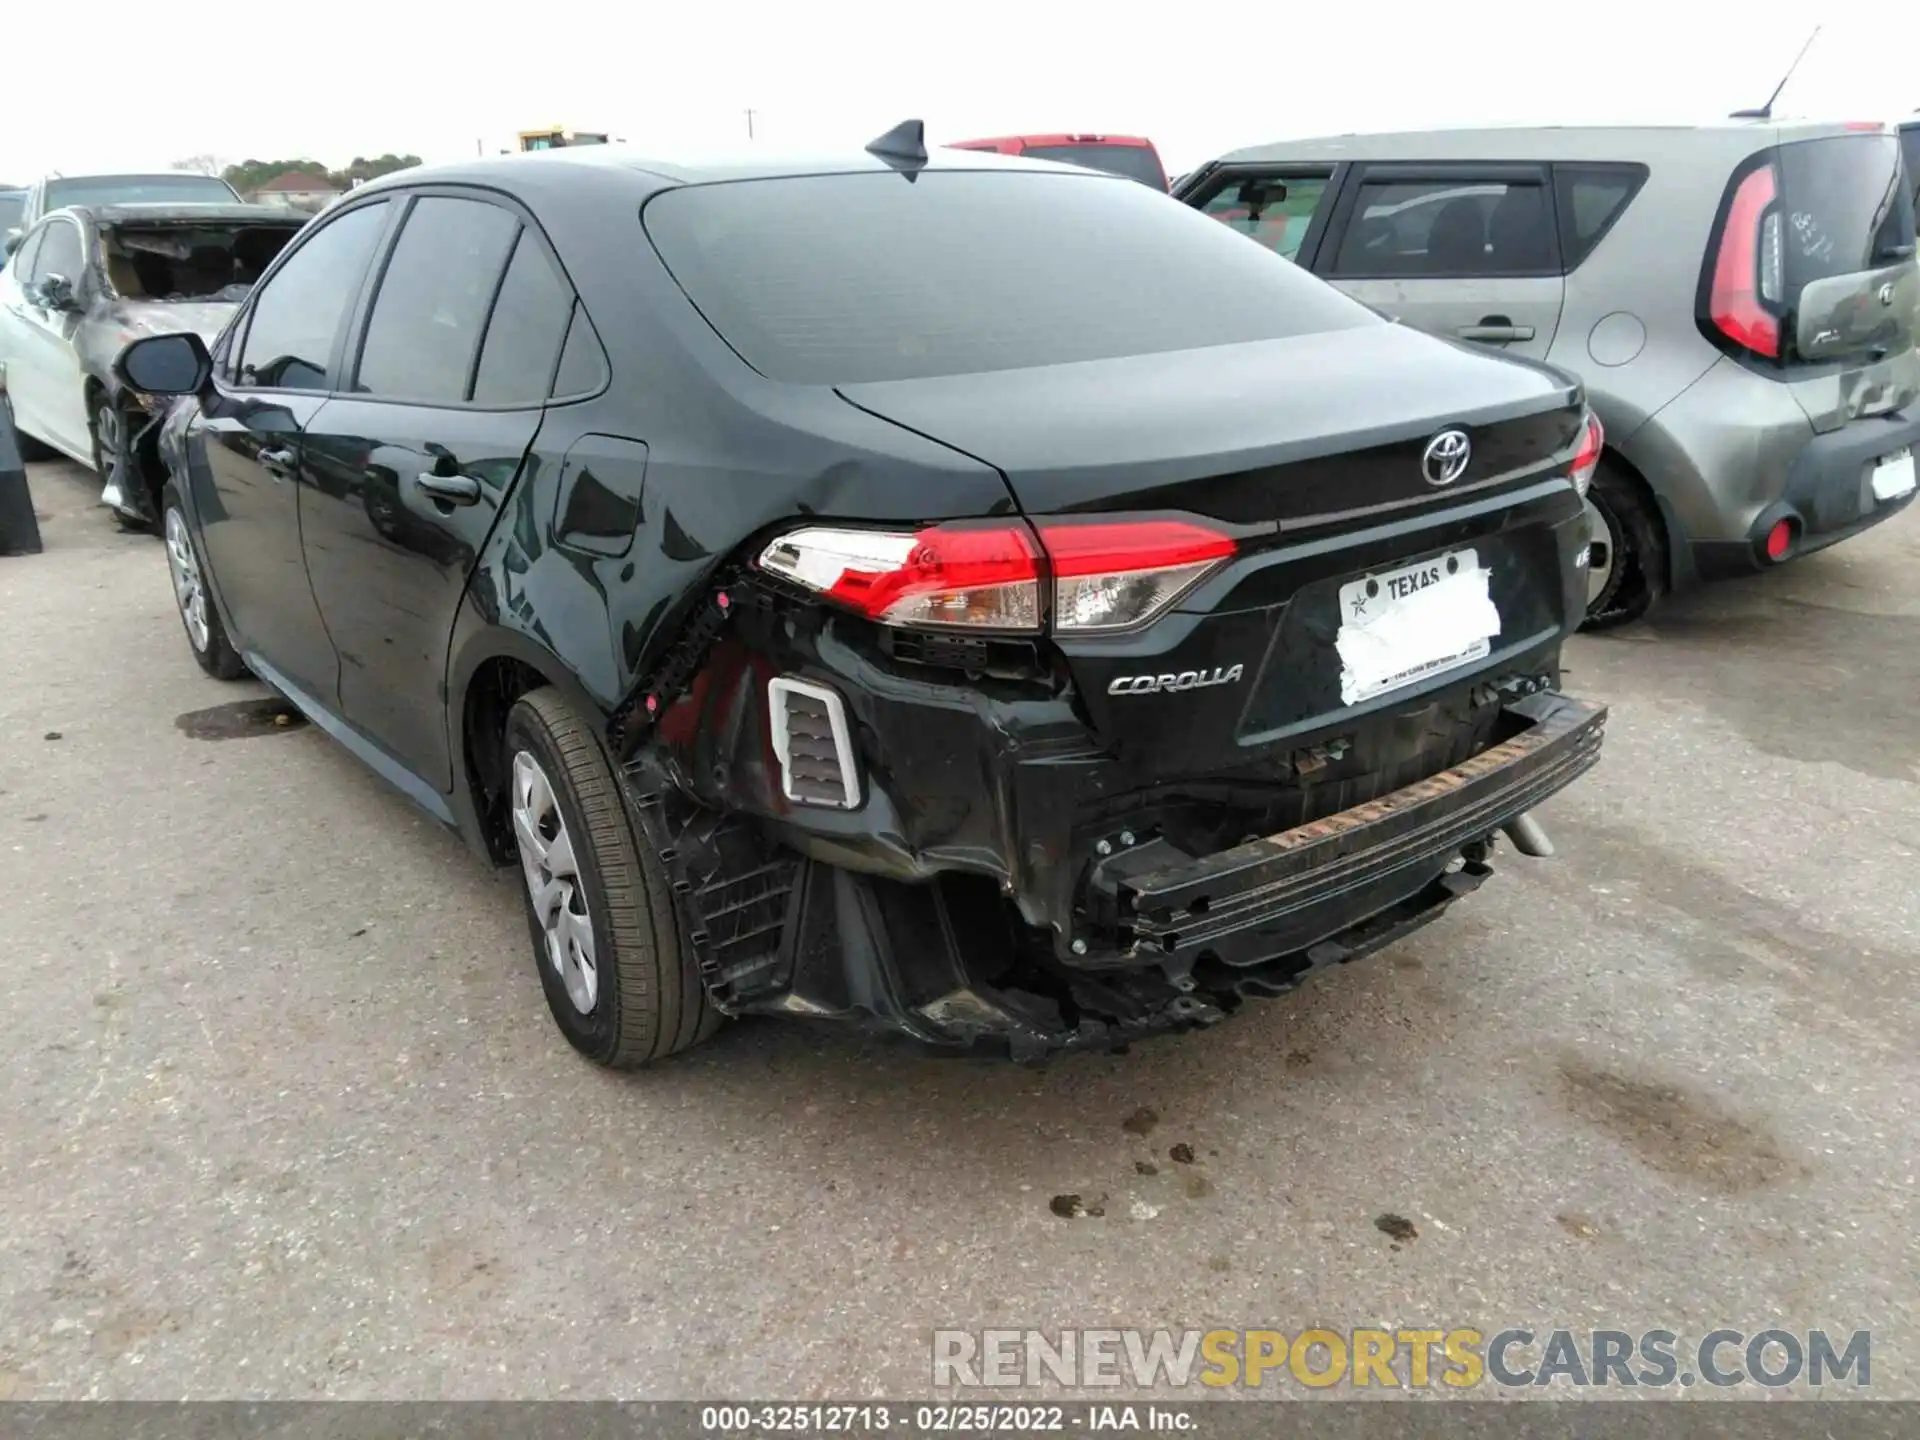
348,77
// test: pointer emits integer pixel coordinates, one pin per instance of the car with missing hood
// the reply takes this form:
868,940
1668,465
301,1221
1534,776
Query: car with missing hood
962,596
88,279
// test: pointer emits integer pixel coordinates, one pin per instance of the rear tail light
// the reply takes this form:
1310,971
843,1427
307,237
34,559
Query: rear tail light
1586,459
1107,575
1747,267
1118,575
984,577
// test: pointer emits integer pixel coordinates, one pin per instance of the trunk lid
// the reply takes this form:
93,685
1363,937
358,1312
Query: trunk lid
1851,288
1310,451
1280,435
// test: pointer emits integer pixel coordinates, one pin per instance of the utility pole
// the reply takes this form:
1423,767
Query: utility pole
750,115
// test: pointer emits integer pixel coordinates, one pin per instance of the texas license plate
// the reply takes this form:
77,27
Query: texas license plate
1893,476
1398,627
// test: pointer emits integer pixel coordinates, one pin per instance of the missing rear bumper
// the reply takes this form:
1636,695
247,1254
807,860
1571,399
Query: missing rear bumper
1180,941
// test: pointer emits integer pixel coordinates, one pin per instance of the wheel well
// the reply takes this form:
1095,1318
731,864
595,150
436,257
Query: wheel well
1656,512
491,694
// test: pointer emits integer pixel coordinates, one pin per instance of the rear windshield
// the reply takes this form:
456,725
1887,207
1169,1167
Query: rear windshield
138,189
1136,162
1910,145
839,279
1845,205
190,262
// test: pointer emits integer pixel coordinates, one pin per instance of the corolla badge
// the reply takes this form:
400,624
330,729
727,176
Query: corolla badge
1183,680
1445,460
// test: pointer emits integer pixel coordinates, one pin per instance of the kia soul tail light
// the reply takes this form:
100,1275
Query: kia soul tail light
1747,283
1101,576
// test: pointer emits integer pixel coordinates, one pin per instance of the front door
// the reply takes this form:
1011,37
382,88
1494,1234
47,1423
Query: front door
1469,252
43,368
406,472
248,441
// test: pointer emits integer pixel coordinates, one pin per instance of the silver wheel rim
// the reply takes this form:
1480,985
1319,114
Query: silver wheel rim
1602,553
554,883
188,590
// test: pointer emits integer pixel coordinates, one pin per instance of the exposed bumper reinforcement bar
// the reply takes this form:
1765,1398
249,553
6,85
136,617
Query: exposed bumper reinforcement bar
1285,892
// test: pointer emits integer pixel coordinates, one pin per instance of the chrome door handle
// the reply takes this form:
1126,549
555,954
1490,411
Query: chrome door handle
448,489
277,462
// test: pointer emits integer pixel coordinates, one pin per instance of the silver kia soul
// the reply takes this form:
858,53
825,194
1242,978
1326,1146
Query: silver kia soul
1740,299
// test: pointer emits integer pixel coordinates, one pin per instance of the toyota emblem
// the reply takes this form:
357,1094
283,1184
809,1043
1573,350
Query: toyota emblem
1445,460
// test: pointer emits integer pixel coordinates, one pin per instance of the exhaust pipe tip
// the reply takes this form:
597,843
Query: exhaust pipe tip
1528,837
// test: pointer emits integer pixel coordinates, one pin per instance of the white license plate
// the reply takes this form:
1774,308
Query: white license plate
1398,627
1893,476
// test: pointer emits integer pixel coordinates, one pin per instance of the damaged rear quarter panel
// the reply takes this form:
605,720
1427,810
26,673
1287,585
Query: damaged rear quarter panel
728,457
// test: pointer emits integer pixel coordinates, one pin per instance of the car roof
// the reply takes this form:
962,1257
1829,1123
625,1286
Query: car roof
160,212
1535,142
619,166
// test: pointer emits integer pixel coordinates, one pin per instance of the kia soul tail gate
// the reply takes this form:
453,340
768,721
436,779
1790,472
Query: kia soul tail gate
1171,736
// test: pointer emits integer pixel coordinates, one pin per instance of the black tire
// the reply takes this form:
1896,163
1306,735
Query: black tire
217,656
650,1002
105,439
30,448
1639,550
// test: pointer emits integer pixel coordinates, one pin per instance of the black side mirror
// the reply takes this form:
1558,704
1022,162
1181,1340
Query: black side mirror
1256,195
165,365
56,293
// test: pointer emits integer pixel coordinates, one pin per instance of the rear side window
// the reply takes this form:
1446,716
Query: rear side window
1910,148
1136,162
424,331
1453,229
1276,211
839,279
296,315
1590,198
524,332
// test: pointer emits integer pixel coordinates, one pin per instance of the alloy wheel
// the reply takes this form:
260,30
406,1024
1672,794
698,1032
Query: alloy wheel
554,882
189,590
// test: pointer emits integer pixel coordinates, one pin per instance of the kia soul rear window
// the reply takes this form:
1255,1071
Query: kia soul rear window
842,279
1844,205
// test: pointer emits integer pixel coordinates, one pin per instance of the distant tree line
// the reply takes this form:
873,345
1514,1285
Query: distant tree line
250,175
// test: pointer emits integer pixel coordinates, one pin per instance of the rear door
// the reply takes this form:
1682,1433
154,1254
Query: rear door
1850,286
406,470
1466,251
1283,207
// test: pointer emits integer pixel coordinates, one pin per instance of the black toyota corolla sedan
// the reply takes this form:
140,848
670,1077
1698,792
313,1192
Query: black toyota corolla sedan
972,598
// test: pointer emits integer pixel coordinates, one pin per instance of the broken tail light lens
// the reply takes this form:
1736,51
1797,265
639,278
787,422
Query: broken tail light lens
1108,575
1586,458
1115,575
984,577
